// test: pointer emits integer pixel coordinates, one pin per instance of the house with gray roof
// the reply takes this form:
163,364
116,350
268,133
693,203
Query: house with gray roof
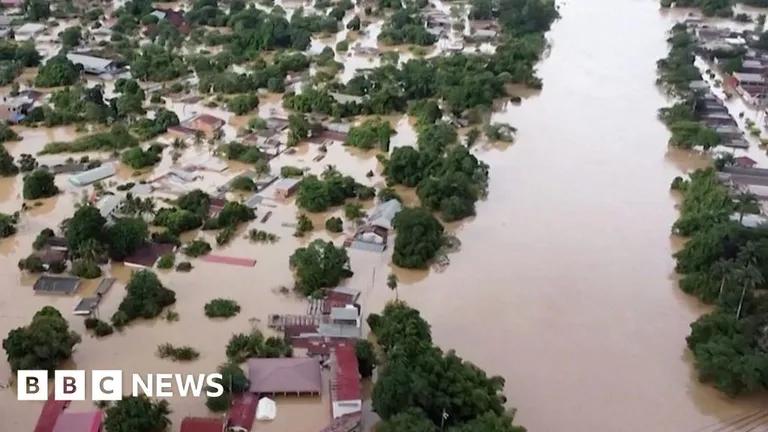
93,175
93,64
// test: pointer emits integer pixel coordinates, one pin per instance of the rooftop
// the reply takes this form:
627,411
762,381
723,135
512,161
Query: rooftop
346,377
56,284
86,421
201,424
284,375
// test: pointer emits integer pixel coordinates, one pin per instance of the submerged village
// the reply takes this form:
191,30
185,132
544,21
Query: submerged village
216,186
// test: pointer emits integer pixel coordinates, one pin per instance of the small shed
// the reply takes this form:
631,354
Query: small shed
285,187
744,162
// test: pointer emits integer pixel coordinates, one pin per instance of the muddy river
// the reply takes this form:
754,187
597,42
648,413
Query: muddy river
564,283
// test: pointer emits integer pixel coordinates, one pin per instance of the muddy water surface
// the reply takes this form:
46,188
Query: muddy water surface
564,283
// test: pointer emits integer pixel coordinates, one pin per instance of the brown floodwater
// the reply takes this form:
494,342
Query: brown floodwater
563,284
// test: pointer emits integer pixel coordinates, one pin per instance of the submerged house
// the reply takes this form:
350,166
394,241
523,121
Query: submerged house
201,424
342,322
95,65
93,175
374,234
206,124
14,109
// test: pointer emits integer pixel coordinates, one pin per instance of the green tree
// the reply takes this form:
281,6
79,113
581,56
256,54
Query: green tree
7,167
419,237
125,236
57,71
319,265
86,224
71,37
137,413
37,10
44,344
39,184
145,298
366,357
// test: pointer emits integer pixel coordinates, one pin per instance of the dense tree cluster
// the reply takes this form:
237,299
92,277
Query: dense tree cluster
319,265
39,184
117,138
418,382
676,71
8,224
138,158
7,166
57,71
73,105
724,263
406,26
14,57
374,133
419,237
145,298
448,178
43,344
155,63
243,346
137,413
330,190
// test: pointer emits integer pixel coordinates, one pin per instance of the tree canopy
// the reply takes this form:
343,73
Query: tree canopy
137,413
319,265
419,237
43,344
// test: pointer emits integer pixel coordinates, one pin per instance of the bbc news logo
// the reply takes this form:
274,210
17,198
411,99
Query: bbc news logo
107,385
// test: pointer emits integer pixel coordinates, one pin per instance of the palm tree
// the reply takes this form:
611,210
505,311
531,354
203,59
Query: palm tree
392,284
198,138
145,206
744,202
750,278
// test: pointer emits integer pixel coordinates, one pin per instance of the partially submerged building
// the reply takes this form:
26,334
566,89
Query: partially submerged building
93,175
95,65
374,234
59,285
14,109
286,186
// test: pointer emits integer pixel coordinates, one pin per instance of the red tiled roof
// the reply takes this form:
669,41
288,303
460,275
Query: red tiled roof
50,414
86,421
346,383
243,411
209,120
201,424
148,254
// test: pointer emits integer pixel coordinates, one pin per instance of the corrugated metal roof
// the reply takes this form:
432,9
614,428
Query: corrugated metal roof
284,375
90,62
94,175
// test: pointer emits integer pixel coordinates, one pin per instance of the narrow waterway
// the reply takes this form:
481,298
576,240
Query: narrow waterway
564,284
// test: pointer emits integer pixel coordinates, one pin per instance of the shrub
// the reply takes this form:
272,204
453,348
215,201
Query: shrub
85,269
184,266
221,308
262,236
291,171
182,353
166,261
197,248
334,225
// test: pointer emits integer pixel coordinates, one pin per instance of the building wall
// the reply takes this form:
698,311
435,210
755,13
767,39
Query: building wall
341,408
